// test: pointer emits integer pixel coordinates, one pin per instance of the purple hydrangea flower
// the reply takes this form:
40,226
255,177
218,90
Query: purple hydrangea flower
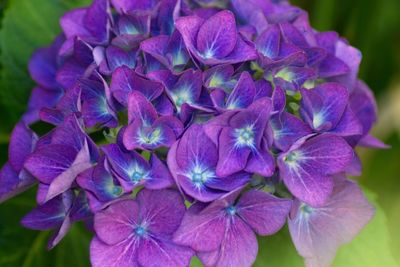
215,40
223,231
169,121
316,235
193,162
139,232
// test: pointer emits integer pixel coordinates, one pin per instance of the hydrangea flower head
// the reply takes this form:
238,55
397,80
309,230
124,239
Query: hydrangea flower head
186,128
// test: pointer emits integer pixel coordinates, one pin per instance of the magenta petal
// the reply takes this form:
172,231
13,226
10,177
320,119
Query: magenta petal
116,223
203,194
155,253
318,232
163,210
239,246
261,162
160,175
306,169
202,231
196,147
123,254
308,185
265,213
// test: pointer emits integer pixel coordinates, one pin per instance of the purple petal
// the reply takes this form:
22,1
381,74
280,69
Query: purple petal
163,210
63,181
69,73
239,247
189,27
202,231
323,106
261,162
154,253
305,169
195,147
118,57
50,161
370,141
265,213
352,58
363,105
72,23
100,185
292,35
217,76
131,167
117,222
59,234
348,124
139,107
125,80
22,143
123,254
40,98
160,175
292,78
13,183
287,129
243,51
217,36
50,214
95,109
268,42
214,127
243,94
43,65
202,193
332,66
231,158
318,232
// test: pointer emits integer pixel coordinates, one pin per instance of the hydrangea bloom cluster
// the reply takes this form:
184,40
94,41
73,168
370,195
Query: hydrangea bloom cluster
182,128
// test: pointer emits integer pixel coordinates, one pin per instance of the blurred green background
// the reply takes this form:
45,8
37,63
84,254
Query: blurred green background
370,25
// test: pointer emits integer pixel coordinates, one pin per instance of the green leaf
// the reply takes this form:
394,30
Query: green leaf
21,247
26,26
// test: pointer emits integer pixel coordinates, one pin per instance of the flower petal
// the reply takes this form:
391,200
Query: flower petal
318,232
116,223
265,213
217,36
